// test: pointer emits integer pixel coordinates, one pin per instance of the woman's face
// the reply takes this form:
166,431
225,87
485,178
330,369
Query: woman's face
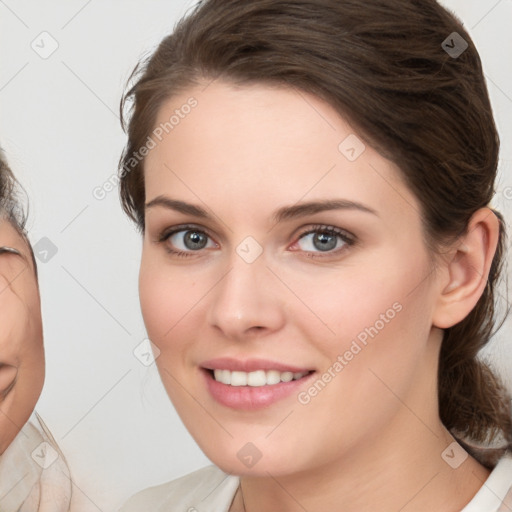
21,338
277,247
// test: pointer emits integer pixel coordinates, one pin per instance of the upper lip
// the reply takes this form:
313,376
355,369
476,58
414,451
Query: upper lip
250,365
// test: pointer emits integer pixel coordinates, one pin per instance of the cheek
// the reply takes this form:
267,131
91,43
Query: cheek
19,404
154,300
168,297
347,301
383,332
376,315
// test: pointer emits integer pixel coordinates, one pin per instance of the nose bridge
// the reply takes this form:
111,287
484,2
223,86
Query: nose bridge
245,298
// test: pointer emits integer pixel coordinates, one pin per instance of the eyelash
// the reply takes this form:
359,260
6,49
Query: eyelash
348,239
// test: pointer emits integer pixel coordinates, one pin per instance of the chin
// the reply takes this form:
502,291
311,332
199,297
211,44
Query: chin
247,458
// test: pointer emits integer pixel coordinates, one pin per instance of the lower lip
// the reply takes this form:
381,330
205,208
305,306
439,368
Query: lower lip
251,398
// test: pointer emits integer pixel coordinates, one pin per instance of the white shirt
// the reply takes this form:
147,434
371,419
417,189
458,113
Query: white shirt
211,490
34,476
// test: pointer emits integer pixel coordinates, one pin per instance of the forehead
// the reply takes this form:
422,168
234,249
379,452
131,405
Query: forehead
240,145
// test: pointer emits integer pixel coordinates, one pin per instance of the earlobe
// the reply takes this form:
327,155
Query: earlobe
467,270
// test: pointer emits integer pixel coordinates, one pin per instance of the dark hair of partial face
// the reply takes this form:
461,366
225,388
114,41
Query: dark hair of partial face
388,67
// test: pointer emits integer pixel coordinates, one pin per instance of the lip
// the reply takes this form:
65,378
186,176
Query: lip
249,398
251,365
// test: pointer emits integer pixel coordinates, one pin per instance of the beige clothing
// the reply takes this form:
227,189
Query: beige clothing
211,490
34,476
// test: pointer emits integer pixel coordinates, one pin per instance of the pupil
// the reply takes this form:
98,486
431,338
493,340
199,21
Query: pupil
194,240
324,241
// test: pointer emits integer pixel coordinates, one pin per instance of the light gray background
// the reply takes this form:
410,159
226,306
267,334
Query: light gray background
59,126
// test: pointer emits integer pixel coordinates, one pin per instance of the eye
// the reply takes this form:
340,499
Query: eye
324,239
185,239
9,250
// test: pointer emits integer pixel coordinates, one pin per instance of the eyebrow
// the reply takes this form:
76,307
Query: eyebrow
283,213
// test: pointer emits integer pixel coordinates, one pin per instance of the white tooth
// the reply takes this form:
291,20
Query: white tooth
273,377
286,376
257,378
238,379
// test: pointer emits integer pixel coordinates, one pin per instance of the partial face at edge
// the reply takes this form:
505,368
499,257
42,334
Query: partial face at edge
21,338
296,292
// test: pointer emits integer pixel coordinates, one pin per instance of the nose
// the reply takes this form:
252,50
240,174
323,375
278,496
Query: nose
247,302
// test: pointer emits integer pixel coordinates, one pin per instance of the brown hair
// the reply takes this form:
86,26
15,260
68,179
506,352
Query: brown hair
382,65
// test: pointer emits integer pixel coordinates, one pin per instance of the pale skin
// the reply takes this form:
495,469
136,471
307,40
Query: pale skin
372,439
21,336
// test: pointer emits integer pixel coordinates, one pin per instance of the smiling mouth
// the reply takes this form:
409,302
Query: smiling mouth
257,378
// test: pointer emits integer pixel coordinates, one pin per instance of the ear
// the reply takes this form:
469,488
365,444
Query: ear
464,273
